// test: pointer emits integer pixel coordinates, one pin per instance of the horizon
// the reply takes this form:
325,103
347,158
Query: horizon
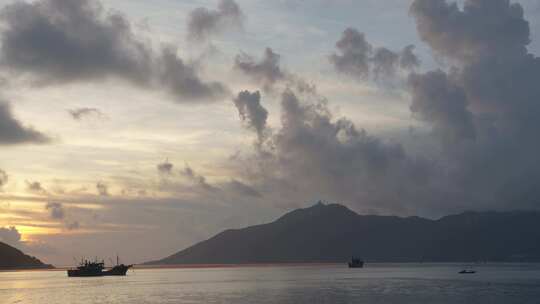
157,263
128,123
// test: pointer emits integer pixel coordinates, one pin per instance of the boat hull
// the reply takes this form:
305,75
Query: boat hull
359,265
119,270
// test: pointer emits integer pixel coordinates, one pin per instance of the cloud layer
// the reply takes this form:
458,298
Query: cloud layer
59,41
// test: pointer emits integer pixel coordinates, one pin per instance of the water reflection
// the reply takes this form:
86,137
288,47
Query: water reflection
316,284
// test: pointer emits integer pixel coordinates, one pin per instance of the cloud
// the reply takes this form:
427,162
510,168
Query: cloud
356,57
409,60
13,237
165,167
73,225
35,187
81,113
266,71
58,41
203,23
10,236
69,40
3,178
487,43
482,27
490,92
313,155
437,100
354,54
56,210
243,189
252,112
385,62
197,179
182,80
102,189
12,131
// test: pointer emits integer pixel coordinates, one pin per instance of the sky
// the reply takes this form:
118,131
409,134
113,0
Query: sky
141,127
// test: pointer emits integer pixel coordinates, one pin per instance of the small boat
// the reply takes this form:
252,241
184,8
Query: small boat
97,269
467,271
356,263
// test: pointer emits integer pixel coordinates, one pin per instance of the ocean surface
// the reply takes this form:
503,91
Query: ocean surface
375,284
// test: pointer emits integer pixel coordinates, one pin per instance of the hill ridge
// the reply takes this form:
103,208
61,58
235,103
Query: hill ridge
13,258
332,233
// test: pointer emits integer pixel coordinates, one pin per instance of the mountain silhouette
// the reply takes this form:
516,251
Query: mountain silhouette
12,258
334,233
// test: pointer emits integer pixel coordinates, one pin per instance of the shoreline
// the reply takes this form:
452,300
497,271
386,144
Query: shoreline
278,265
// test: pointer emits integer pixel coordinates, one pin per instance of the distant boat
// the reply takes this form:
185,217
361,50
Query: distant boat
97,269
356,263
467,271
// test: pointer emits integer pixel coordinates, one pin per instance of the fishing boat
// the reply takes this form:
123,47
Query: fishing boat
95,268
356,263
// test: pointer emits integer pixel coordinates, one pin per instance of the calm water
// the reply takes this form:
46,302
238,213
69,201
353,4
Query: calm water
505,284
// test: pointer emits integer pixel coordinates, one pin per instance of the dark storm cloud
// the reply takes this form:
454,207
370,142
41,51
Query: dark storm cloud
266,71
60,41
81,113
481,28
203,23
313,154
487,40
437,100
491,91
356,57
102,189
12,131
56,210
252,113
66,40
165,167
335,154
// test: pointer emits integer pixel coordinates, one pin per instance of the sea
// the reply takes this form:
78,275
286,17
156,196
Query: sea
298,284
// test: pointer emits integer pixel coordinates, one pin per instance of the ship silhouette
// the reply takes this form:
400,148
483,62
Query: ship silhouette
95,268
356,263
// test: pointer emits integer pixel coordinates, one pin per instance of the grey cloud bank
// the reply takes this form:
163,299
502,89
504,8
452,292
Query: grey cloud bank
482,112
59,41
